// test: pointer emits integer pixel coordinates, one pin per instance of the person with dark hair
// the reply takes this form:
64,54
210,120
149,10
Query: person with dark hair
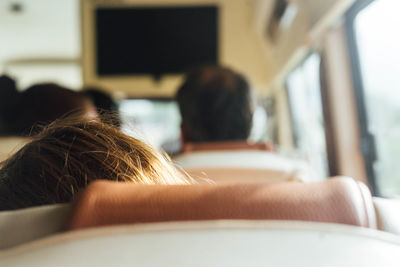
8,99
70,153
104,103
44,103
216,104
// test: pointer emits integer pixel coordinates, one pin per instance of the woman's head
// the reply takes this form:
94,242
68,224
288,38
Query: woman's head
44,103
8,98
68,154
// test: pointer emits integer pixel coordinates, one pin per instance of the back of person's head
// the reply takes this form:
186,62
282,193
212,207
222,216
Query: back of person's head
70,153
8,98
43,103
104,103
216,105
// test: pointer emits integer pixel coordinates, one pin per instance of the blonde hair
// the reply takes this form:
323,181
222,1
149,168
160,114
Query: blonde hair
69,153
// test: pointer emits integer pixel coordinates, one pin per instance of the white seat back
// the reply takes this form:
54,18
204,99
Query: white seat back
243,166
10,145
212,243
387,214
21,226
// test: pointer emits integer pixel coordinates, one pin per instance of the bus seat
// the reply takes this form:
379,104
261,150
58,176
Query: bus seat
10,145
24,225
233,166
226,145
212,243
388,214
339,200
242,175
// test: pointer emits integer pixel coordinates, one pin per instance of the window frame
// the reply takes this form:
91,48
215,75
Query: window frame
367,140
330,136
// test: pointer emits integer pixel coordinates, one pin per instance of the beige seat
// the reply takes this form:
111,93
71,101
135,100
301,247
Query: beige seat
207,175
243,166
212,243
10,145
340,200
387,214
21,226
240,162
226,145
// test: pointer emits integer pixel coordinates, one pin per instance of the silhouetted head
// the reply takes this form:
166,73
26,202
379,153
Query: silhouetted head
104,103
8,99
216,105
70,153
43,103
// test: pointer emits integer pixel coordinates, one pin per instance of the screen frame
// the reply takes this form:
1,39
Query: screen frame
201,45
132,86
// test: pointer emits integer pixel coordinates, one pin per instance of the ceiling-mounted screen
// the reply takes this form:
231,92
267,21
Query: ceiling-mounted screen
155,41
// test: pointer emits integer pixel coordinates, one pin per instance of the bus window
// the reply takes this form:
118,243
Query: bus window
264,124
373,27
304,93
156,122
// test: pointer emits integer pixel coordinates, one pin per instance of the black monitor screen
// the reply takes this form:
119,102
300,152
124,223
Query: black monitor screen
157,41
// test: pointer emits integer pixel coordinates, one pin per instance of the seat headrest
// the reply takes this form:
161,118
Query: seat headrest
339,200
226,145
10,145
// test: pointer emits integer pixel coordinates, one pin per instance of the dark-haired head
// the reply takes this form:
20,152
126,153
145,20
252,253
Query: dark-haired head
216,105
8,99
104,103
43,103
8,92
